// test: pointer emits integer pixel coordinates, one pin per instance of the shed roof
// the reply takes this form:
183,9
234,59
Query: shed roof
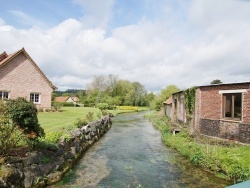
168,101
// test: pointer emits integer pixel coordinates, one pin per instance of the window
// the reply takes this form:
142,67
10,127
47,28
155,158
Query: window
232,106
4,95
35,98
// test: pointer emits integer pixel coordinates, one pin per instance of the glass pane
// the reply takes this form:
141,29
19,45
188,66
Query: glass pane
36,97
32,97
237,105
5,95
228,106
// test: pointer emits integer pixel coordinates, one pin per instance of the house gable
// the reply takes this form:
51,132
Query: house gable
21,77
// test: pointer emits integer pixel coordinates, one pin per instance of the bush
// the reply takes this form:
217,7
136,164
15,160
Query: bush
102,106
59,105
90,116
80,122
24,116
10,136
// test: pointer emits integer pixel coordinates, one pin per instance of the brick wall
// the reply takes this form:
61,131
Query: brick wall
211,101
209,117
20,78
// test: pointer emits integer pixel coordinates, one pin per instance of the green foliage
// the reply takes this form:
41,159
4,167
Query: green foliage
24,116
80,122
90,116
45,160
189,99
156,104
57,106
53,137
102,106
217,81
231,160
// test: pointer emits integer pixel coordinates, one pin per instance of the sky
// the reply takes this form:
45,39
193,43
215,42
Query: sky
157,43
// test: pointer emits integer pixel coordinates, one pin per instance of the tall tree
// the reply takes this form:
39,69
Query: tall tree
112,84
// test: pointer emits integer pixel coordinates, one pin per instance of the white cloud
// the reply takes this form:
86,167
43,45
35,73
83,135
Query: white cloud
211,42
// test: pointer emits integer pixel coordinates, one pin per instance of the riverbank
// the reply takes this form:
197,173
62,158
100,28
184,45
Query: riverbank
226,160
47,165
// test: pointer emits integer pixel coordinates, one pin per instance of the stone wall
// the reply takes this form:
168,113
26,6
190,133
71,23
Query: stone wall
226,129
47,166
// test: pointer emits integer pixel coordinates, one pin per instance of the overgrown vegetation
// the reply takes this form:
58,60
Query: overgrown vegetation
226,160
189,99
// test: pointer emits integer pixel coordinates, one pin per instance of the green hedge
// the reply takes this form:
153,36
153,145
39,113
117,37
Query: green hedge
64,104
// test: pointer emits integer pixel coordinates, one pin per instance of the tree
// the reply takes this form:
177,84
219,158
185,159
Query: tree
112,84
164,95
217,81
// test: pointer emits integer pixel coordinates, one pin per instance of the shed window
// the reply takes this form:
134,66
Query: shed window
232,107
4,95
35,98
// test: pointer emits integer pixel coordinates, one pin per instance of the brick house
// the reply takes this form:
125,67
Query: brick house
21,77
221,110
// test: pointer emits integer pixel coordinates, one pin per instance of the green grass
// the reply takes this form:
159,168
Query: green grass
227,160
54,121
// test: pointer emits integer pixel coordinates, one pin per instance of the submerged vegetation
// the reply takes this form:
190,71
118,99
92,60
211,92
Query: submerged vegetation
226,160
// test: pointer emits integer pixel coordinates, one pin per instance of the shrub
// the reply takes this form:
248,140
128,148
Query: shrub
80,122
53,137
24,116
10,136
102,106
56,106
90,116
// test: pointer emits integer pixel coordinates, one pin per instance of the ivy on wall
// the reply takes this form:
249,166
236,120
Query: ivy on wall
189,99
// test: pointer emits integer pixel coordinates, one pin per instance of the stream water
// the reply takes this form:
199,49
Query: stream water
132,155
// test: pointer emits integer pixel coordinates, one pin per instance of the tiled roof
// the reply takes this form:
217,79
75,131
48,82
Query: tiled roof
11,56
61,99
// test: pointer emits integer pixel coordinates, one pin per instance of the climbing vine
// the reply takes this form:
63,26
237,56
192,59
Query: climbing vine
189,99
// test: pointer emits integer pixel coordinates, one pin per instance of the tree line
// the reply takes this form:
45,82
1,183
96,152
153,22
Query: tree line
118,92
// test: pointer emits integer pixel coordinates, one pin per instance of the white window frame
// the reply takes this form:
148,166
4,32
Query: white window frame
3,95
33,97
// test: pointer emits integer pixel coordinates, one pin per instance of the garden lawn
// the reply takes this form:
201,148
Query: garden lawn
54,121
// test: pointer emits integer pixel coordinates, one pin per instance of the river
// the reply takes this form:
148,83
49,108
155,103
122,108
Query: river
132,155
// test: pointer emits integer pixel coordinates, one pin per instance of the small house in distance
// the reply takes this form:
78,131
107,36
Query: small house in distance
21,77
221,110
66,99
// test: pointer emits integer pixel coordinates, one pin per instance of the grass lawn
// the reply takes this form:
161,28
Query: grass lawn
53,121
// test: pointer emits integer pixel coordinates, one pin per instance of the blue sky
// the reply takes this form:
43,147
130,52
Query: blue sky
157,43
